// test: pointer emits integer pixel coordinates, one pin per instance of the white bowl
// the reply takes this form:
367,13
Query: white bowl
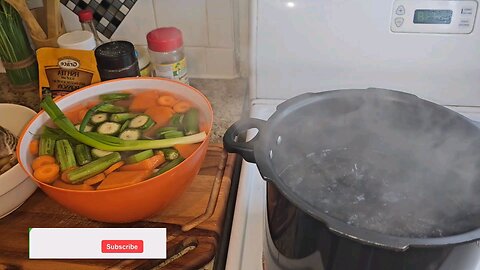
15,185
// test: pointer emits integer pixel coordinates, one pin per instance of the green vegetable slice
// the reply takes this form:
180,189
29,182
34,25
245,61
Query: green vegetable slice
97,153
142,122
139,156
97,119
130,134
110,143
109,128
88,128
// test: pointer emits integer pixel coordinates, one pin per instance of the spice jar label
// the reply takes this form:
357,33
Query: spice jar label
62,71
176,71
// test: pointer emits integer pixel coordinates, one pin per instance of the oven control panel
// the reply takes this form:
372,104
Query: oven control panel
446,17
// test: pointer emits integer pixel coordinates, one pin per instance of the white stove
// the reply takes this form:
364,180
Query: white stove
300,46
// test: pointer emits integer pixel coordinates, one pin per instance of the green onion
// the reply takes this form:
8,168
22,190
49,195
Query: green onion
110,143
15,47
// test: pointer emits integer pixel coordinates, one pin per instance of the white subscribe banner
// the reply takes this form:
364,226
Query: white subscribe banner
98,243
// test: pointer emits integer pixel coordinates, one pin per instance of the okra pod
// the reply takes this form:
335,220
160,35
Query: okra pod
173,134
190,122
168,166
139,156
122,117
110,108
170,153
95,167
176,120
46,145
64,154
115,96
82,154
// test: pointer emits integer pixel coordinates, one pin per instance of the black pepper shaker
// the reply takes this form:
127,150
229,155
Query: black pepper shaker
117,59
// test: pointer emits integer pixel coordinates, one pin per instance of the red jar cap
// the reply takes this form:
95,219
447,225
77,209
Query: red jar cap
85,15
164,39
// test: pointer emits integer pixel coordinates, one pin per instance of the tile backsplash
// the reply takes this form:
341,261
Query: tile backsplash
207,27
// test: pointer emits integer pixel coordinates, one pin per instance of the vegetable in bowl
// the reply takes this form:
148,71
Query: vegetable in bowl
118,142
128,202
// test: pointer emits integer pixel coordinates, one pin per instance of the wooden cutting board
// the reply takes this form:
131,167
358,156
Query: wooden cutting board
186,250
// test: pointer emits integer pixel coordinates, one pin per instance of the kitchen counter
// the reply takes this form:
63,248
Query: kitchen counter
226,96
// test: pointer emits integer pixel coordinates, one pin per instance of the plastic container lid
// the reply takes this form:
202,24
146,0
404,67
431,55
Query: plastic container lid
164,39
77,40
143,57
85,15
115,55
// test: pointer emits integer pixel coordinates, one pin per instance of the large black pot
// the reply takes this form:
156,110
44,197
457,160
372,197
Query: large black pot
366,179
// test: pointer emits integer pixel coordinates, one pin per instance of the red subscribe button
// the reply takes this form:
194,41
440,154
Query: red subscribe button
122,246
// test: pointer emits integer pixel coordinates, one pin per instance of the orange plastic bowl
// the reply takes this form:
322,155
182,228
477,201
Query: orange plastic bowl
134,202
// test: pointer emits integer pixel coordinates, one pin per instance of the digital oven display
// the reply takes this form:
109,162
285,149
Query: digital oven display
432,16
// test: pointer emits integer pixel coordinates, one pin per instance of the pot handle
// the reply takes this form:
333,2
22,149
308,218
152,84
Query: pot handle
245,149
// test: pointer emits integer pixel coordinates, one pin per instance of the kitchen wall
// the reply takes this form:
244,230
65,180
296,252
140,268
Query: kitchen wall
211,30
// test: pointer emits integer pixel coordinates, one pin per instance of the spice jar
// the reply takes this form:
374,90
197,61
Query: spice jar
143,61
86,20
77,40
165,46
116,59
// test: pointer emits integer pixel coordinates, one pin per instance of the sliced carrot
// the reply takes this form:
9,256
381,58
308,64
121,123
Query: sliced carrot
61,184
94,179
166,100
73,114
82,113
121,179
144,100
185,150
42,160
147,164
114,167
123,103
160,114
64,176
47,173
92,103
33,147
182,106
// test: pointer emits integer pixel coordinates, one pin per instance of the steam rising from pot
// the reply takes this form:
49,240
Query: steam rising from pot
382,161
